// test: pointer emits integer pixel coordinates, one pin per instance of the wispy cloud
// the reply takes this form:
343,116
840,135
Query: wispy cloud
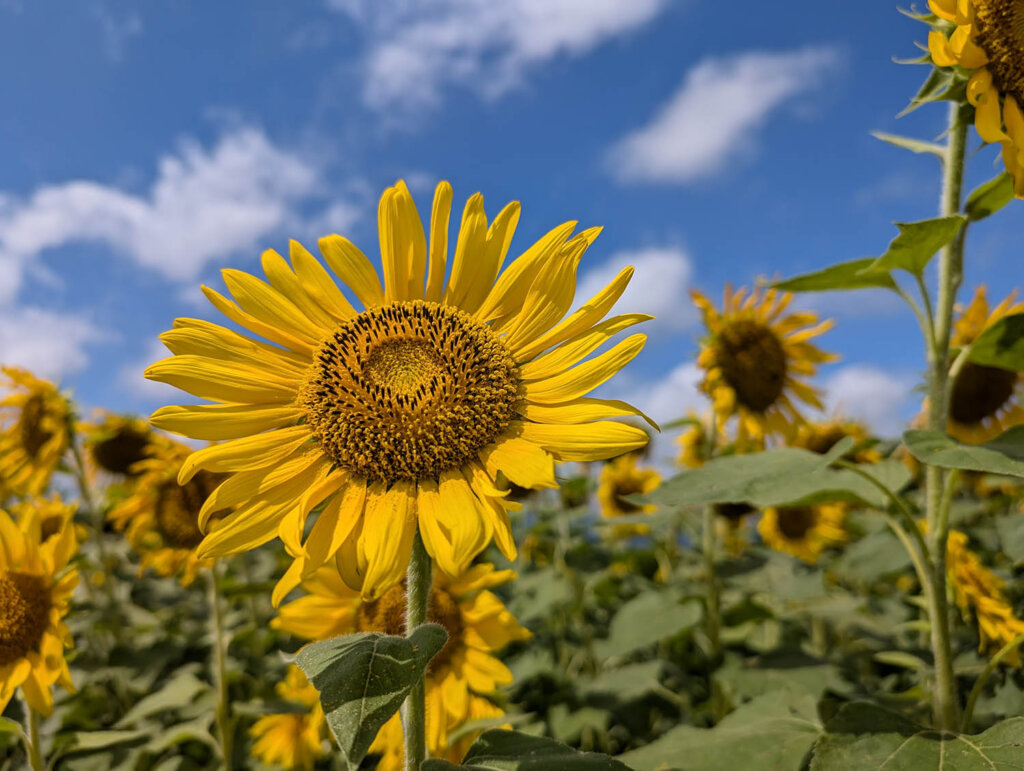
116,31
880,398
50,344
713,117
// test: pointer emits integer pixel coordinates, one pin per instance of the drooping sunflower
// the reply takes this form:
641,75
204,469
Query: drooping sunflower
293,739
459,676
984,401
36,433
820,437
693,442
754,358
161,517
978,589
621,478
35,593
115,443
987,39
803,531
400,415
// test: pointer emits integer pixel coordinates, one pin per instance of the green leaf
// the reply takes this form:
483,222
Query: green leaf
1001,345
645,620
863,736
908,143
934,88
514,751
628,682
777,671
845,275
1011,536
364,678
179,692
872,558
98,740
11,726
567,725
773,732
990,197
1003,455
916,244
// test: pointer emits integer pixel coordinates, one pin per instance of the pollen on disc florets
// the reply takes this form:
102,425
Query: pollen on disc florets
979,392
753,363
387,614
33,435
409,390
24,614
177,507
999,30
795,521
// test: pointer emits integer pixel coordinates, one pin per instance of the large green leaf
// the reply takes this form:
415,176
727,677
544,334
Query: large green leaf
1001,345
1003,455
872,558
845,275
777,671
1011,536
626,683
514,751
916,244
990,197
645,620
773,732
364,678
179,692
863,736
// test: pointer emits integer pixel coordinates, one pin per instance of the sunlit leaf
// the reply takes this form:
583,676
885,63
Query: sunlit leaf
990,197
845,275
645,620
916,244
1001,345
1002,455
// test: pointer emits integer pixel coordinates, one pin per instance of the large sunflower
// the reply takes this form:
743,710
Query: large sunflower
32,445
399,415
983,401
161,517
292,739
115,443
459,676
987,39
803,531
754,358
35,592
621,478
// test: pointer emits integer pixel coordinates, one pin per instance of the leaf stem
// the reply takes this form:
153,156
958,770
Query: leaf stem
35,757
418,582
979,684
225,731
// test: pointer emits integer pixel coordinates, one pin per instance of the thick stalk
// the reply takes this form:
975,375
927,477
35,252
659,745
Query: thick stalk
35,757
225,732
418,580
945,706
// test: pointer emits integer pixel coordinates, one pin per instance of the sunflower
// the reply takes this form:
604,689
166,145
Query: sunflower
621,478
161,517
753,359
32,446
292,739
693,442
53,515
820,437
977,588
987,40
399,416
803,531
459,676
115,443
35,592
983,401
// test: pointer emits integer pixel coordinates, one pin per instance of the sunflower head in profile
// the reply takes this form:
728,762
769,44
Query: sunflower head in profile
35,593
161,517
820,437
621,478
35,435
984,401
755,358
116,443
459,676
292,740
394,408
986,38
803,531
693,442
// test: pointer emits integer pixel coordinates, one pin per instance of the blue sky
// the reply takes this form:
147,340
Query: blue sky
145,146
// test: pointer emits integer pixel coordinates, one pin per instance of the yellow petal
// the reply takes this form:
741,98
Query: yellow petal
586,442
386,541
318,282
547,301
526,464
249,452
583,410
942,53
403,247
471,263
215,422
439,219
335,523
279,274
262,301
204,338
451,522
353,268
221,380
253,324
580,346
585,377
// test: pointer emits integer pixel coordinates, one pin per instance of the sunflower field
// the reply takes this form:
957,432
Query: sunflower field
391,526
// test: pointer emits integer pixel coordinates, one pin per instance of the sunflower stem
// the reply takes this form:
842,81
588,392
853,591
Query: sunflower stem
418,580
713,602
35,757
225,733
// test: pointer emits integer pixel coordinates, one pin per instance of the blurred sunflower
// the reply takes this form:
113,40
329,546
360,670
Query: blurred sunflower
402,414
32,445
621,478
753,358
820,437
35,592
987,39
293,739
115,443
693,442
977,589
984,401
161,517
53,515
803,531
458,677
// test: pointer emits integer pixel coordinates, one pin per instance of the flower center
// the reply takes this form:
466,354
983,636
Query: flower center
733,512
753,363
50,526
823,440
409,390
979,391
999,30
121,451
387,614
33,435
624,487
795,521
177,509
24,614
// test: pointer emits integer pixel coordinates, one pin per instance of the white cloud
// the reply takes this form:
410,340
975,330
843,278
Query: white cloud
715,114
882,399
659,286
116,31
416,47
132,381
203,205
48,343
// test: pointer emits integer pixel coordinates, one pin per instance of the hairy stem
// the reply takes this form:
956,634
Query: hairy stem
414,712
35,757
225,730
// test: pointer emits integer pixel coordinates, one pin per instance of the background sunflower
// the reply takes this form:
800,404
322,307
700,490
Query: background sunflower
36,435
